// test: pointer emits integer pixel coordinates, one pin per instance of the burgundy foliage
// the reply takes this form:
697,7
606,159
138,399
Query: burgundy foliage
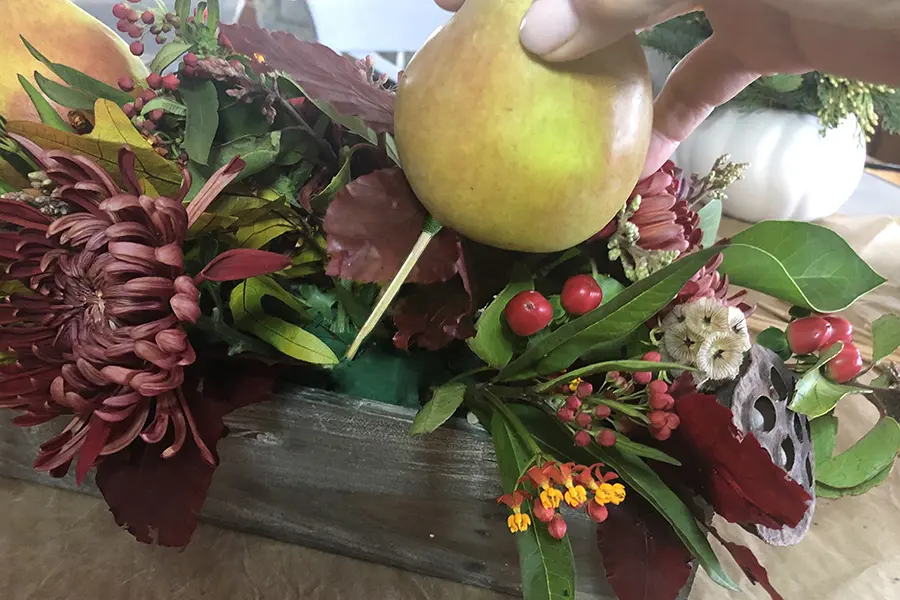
642,555
748,562
243,263
741,481
323,74
374,222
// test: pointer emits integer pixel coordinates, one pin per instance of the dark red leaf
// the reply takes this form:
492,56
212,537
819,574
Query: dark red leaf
373,223
742,482
642,555
748,562
159,500
244,263
322,73
98,433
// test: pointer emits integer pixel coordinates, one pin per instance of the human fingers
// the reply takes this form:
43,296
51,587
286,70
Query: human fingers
563,30
706,78
451,5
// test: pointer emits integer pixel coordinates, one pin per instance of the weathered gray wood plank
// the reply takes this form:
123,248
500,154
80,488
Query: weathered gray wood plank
342,475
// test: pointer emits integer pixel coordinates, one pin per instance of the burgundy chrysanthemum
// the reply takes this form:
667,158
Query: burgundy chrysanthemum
97,330
709,283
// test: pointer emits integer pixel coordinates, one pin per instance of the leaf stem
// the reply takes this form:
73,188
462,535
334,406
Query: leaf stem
289,108
429,230
514,422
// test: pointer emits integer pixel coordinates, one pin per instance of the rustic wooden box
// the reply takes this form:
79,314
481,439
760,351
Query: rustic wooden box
343,475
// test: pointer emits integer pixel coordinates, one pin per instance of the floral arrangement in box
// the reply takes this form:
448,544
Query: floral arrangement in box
241,214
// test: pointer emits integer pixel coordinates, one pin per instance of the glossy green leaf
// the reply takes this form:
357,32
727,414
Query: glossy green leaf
63,95
46,112
320,201
202,104
639,477
444,402
816,395
170,106
824,436
885,336
609,324
246,304
825,491
391,149
629,366
802,263
865,459
610,286
80,81
710,220
547,565
261,232
494,343
259,152
212,17
625,445
183,9
168,54
775,340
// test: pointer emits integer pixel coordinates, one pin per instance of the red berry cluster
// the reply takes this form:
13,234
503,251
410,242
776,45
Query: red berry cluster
585,412
529,312
812,334
149,121
136,24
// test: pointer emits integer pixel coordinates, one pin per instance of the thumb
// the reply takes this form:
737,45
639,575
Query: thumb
706,78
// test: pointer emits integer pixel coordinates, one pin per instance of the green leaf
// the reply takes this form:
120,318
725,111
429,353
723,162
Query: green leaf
814,394
547,565
183,10
629,366
64,96
636,474
824,491
610,286
623,444
865,459
494,343
610,323
824,436
805,264
212,19
5,188
80,81
246,304
775,340
170,106
444,402
259,152
258,234
169,54
386,375
710,219
46,112
885,336
391,149
783,83
320,201
202,104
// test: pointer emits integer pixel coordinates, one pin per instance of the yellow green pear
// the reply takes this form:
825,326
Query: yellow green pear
515,152
64,33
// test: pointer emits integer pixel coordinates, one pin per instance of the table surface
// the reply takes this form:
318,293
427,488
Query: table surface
875,195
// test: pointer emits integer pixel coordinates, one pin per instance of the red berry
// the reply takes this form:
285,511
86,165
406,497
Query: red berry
123,25
808,334
160,39
658,419
597,512
670,402
156,114
154,80
544,515
582,438
612,376
602,411
841,330
134,1
660,401
572,402
156,29
557,527
652,357
191,60
846,365
148,126
584,420
672,421
642,377
137,48
133,15
138,104
135,31
148,95
189,71
584,389
662,434
147,17
120,11
170,82
606,438
658,387
527,313
581,294
128,109
126,84
565,414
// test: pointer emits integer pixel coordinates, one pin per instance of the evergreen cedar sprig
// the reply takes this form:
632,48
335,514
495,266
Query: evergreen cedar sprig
832,99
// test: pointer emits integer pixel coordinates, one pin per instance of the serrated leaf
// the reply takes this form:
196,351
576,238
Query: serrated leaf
249,315
610,323
824,436
710,219
801,263
865,459
444,402
825,491
46,112
112,130
64,96
494,343
170,106
885,337
202,102
168,54
547,565
814,394
260,233
79,80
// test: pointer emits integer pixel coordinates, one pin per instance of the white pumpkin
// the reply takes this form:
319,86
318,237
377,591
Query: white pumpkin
795,172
